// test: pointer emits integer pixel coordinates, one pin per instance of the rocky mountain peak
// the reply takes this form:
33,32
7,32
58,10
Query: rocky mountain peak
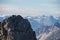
17,28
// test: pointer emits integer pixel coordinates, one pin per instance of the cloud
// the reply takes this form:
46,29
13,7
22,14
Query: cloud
10,9
23,10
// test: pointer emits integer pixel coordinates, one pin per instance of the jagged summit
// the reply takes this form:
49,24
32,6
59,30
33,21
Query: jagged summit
17,28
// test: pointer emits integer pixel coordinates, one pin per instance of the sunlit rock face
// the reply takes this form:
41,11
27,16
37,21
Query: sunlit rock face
17,28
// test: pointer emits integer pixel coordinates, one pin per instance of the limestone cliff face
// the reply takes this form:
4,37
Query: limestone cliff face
17,28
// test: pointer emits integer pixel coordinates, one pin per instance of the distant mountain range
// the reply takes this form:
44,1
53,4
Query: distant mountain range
3,17
44,26
39,21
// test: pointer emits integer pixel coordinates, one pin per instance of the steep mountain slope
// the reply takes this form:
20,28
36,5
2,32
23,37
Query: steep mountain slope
53,33
17,28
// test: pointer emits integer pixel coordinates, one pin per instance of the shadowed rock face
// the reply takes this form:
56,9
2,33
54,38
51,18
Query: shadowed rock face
17,28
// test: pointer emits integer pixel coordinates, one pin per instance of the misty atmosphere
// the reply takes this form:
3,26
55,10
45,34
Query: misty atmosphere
29,19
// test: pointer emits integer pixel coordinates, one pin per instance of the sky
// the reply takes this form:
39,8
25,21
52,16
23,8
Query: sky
30,7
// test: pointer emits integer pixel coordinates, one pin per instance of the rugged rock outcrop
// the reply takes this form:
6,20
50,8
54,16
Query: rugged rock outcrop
17,28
